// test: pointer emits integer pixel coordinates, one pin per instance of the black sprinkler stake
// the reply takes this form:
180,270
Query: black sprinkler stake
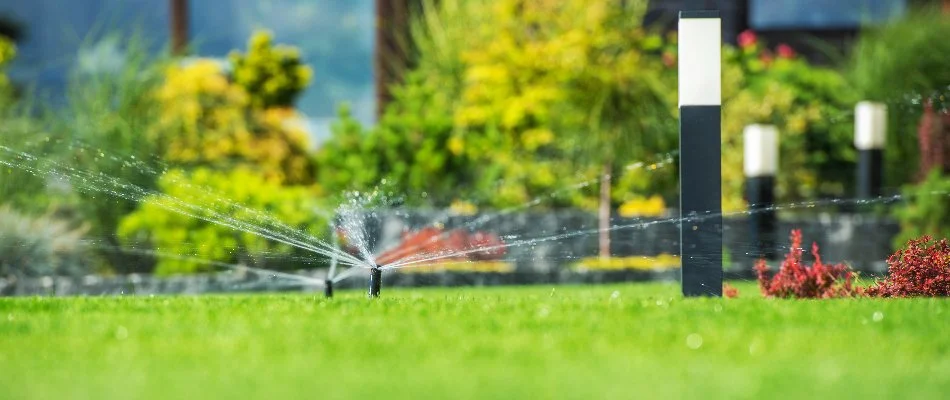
375,280
328,288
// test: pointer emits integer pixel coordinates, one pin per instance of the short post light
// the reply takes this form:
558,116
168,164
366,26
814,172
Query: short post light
870,133
760,164
700,102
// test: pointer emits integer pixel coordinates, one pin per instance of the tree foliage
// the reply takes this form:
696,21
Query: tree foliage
511,100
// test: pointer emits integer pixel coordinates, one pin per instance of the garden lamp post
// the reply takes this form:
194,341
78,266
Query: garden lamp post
870,131
700,105
760,164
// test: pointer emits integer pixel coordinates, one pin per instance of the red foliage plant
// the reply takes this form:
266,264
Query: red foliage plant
794,279
455,245
731,292
920,269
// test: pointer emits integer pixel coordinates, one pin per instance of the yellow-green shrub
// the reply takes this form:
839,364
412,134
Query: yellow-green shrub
241,195
645,263
211,118
7,53
273,76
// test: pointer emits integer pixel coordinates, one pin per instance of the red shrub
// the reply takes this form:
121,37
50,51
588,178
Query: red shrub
795,279
731,292
920,269
455,245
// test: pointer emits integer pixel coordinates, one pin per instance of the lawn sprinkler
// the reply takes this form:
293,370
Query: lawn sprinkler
328,288
375,280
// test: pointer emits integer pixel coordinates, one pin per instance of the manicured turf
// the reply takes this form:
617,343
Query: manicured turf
627,341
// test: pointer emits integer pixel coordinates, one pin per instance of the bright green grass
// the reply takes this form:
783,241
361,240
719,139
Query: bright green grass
627,341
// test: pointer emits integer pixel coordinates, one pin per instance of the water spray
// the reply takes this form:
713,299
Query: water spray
375,280
328,288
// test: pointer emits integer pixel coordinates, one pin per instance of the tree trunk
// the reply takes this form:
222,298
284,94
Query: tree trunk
392,48
179,26
604,211
933,135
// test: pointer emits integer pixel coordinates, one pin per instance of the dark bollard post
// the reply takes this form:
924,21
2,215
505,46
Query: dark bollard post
328,288
760,163
375,281
870,132
700,98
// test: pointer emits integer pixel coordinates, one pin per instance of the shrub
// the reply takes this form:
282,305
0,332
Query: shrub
273,76
456,245
238,198
904,63
926,210
809,105
209,121
731,292
922,268
643,263
34,246
794,279
507,99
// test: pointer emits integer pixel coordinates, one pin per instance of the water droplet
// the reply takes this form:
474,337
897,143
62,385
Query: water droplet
615,295
754,348
9,317
717,308
121,333
878,316
543,312
694,341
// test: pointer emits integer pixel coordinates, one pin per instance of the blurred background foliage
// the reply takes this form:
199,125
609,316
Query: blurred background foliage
512,100
243,116
810,105
205,195
498,114
904,64
505,103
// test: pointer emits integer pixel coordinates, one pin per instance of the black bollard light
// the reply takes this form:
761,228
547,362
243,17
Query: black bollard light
870,131
328,288
700,100
760,164
375,281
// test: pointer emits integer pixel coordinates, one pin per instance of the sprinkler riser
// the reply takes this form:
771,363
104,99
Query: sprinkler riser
375,281
328,288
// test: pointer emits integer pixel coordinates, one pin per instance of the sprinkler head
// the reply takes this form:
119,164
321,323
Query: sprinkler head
375,280
328,288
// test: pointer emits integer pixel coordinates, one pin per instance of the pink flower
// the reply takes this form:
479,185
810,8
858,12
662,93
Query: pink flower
785,51
747,39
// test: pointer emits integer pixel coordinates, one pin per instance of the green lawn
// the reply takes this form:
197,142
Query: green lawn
626,341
